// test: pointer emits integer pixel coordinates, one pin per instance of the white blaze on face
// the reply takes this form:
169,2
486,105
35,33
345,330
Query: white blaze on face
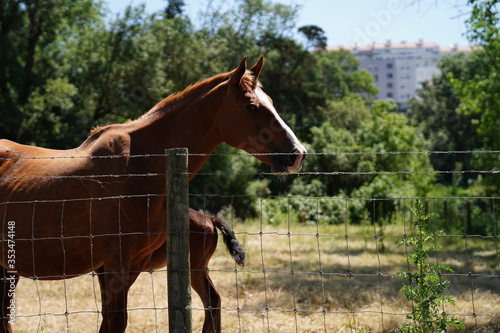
298,148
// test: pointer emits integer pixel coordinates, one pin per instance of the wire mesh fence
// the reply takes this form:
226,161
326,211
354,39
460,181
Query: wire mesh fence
319,277
314,263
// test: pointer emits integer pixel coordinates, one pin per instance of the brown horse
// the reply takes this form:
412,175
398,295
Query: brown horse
204,234
101,206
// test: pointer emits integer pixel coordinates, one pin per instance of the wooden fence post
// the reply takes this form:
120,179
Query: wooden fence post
178,268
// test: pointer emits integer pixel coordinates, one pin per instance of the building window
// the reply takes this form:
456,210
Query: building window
376,77
389,94
389,65
389,75
389,85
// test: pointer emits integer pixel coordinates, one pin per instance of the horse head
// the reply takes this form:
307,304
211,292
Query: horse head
250,122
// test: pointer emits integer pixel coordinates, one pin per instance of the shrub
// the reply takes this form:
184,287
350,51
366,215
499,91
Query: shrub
424,285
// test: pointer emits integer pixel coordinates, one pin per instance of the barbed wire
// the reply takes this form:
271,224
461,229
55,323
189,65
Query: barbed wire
423,152
343,173
342,198
111,197
101,177
260,173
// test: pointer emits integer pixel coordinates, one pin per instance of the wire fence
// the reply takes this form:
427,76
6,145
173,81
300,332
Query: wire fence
314,263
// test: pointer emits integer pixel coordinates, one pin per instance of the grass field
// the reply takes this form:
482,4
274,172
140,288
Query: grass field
338,284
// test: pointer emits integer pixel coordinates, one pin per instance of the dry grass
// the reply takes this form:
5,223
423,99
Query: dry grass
338,284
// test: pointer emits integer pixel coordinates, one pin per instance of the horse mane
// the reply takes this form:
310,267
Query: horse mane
247,82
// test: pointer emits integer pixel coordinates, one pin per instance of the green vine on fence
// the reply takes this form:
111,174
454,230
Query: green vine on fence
424,285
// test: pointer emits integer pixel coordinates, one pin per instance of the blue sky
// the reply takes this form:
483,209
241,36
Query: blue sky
361,21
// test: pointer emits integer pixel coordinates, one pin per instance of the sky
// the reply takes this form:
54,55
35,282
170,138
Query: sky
360,22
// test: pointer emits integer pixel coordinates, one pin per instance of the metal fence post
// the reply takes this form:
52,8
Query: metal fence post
178,267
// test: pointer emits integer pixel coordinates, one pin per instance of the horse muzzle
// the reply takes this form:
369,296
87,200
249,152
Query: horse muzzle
296,158
288,163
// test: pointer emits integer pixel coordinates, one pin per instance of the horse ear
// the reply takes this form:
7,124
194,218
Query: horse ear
239,72
257,68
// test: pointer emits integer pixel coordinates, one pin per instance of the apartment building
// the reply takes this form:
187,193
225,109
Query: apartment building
400,68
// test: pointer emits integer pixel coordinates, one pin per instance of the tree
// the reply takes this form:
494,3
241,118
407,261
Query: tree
70,75
480,95
33,39
358,134
236,30
174,8
142,59
291,78
341,75
315,36
390,131
302,82
232,175
435,112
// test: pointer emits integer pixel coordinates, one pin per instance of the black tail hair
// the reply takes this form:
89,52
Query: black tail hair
233,246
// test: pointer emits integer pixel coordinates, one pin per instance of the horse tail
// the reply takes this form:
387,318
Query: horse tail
233,246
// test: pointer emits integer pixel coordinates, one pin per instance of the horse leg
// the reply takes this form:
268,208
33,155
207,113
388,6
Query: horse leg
203,242
158,258
8,282
114,291
104,300
200,280
204,287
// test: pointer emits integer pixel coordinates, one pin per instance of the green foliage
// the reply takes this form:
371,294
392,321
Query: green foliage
435,113
383,187
290,77
123,67
65,68
238,29
339,152
35,39
301,209
302,83
315,36
350,113
355,140
48,113
174,8
473,215
351,145
480,95
342,77
424,285
231,174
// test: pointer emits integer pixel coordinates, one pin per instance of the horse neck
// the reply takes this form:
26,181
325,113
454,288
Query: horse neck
190,123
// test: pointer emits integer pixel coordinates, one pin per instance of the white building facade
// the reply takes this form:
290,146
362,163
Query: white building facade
400,68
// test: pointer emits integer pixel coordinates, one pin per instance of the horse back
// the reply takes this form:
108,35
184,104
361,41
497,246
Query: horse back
18,160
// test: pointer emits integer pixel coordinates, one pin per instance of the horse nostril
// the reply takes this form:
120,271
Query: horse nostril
300,154
292,158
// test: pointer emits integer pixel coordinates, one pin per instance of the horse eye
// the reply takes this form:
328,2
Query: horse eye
252,107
